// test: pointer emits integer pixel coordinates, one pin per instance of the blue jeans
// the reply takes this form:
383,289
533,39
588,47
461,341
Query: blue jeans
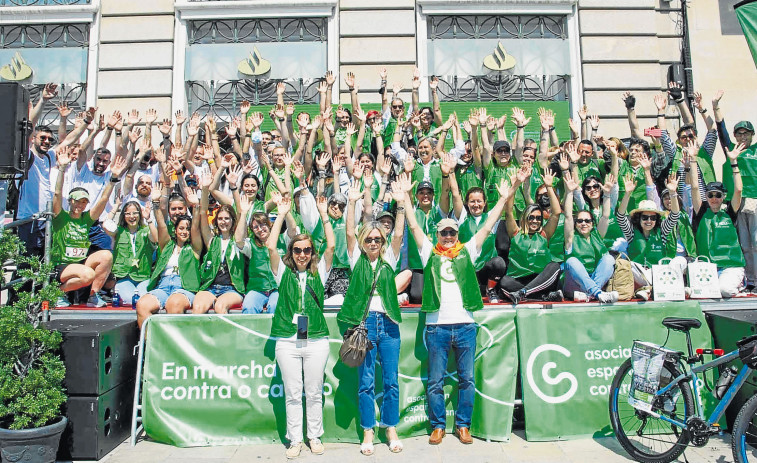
219,290
126,288
578,279
384,334
461,338
255,302
168,286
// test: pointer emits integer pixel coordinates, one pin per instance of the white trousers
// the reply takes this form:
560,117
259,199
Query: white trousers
731,281
297,359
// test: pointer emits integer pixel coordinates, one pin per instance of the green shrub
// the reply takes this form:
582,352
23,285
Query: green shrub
31,372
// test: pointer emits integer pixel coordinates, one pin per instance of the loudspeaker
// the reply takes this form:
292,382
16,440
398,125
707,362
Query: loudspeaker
97,424
14,125
98,354
676,74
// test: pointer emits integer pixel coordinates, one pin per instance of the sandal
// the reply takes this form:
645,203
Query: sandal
366,448
395,446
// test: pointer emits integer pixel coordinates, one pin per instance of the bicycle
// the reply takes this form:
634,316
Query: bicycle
676,418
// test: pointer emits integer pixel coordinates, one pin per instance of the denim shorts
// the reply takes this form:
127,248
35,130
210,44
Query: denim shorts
168,286
217,290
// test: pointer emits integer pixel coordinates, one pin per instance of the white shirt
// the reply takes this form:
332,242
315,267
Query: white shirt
93,183
322,272
375,304
451,309
36,190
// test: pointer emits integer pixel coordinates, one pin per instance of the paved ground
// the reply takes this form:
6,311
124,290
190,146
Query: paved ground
417,450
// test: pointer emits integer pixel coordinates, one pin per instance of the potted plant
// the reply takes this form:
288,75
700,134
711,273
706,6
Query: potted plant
31,370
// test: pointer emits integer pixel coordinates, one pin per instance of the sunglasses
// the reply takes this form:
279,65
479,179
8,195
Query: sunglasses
583,220
714,194
742,133
448,233
307,251
503,151
377,240
45,137
594,186
396,106
687,136
535,218
647,218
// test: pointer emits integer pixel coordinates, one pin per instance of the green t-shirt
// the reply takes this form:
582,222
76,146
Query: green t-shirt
70,243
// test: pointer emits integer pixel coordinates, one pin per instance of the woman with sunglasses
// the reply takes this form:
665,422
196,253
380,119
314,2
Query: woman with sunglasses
531,270
261,292
133,248
471,215
222,269
714,227
450,294
302,345
372,286
176,276
589,266
649,236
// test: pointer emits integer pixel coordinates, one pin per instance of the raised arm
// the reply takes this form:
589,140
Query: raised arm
354,196
48,93
433,85
676,92
207,233
328,254
738,186
415,105
240,233
284,205
117,168
554,211
570,187
64,162
607,190
633,123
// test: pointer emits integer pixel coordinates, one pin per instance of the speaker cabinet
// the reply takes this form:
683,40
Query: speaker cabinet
14,115
98,354
97,424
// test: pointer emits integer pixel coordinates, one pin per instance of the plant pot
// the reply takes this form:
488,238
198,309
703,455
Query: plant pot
36,445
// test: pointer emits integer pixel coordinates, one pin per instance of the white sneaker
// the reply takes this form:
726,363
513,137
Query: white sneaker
403,299
316,446
608,297
643,294
294,450
579,296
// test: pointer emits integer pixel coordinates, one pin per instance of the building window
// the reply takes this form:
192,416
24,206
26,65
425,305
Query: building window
43,2
231,60
500,58
35,54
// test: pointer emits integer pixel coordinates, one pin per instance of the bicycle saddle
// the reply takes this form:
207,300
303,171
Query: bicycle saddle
681,324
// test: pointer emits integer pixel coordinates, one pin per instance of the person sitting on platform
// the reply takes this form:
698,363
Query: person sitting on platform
714,227
176,276
531,270
589,265
649,236
74,268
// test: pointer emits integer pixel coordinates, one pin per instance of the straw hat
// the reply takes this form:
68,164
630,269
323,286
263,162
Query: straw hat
647,205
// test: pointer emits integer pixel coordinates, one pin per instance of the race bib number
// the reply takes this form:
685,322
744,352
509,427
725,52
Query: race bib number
76,252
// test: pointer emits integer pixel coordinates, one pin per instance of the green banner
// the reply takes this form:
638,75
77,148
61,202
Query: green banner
213,380
746,12
569,357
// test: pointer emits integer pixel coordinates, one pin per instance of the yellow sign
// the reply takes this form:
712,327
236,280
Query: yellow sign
254,64
17,70
499,60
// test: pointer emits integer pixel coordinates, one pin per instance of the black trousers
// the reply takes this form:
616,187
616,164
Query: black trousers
534,285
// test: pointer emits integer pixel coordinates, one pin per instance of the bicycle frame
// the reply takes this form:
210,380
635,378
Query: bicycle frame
691,375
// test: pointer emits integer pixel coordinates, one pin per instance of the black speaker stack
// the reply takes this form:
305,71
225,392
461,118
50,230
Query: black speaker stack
101,365
14,127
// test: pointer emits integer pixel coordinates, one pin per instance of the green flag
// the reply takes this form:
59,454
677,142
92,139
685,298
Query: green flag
746,12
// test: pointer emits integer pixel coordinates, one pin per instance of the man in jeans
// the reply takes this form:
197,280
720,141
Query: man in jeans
450,294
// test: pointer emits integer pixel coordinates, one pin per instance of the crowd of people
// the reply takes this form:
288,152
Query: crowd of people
369,211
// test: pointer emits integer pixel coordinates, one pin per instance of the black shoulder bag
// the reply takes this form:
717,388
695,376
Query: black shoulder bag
355,344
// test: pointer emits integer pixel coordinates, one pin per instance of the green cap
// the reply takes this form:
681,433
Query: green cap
746,125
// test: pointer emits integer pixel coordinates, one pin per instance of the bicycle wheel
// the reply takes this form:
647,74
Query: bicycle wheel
744,433
645,437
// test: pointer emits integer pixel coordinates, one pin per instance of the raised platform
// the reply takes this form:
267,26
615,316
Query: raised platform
743,302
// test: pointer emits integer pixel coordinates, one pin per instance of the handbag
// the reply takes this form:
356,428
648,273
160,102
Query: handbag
355,344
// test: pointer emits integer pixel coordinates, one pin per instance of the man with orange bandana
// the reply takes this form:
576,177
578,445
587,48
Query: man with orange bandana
450,294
